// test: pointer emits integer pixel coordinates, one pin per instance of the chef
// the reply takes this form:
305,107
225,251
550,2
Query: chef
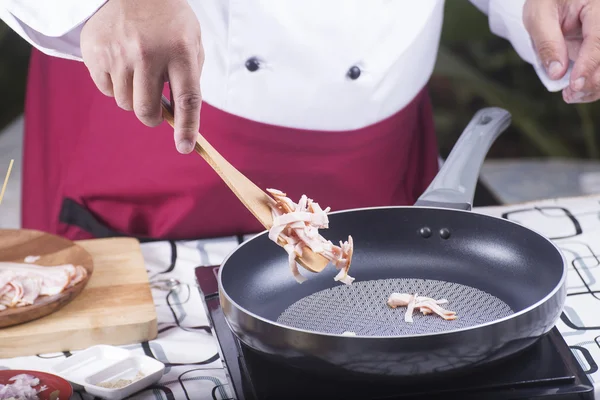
326,98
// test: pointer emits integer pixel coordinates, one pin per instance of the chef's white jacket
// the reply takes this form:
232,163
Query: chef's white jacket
311,64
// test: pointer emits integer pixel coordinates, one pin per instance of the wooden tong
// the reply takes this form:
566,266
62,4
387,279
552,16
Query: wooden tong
254,198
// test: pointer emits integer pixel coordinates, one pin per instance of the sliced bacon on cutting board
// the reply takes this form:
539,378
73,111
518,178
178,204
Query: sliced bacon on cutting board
298,224
21,284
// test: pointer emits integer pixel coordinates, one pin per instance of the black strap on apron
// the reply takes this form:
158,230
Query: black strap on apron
73,213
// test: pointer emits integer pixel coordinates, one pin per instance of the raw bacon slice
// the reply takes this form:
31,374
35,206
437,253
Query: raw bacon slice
410,309
297,226
32,286
21,284
426,305
80,274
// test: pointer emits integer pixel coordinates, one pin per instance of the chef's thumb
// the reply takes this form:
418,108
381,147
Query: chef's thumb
185,137
543,24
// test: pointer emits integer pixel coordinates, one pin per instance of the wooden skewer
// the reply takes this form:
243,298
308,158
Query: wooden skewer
254,198
6,180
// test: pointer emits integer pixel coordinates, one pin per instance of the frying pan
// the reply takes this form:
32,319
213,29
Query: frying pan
506,283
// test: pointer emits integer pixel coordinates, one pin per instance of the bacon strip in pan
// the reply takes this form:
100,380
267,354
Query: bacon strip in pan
426,305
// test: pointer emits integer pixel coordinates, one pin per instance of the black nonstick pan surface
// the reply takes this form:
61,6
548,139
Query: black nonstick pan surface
506,283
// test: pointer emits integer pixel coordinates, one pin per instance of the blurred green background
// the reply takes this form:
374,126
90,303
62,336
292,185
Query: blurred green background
474,69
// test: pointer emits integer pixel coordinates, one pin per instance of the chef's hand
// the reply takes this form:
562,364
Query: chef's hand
564,30
132,47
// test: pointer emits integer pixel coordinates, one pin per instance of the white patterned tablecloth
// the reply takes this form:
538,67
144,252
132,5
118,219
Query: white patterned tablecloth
189,351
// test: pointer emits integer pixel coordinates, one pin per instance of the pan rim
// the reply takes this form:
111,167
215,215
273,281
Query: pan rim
532,307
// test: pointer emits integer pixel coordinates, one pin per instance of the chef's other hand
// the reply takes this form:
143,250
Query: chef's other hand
132,47
564,30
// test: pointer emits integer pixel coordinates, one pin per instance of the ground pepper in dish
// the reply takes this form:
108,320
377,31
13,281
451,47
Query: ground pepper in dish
120,383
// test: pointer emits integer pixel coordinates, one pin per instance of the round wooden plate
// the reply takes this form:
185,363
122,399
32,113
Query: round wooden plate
16,244
56,387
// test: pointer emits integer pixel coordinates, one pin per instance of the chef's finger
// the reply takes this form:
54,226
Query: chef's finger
584,76
543,24
579,97
184,79
123,87
147,90
573,47
585,95
570,96
103,82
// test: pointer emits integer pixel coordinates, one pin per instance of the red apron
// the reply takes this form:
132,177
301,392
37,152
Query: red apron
93,170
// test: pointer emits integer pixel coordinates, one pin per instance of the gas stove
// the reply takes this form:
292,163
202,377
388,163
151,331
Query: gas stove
547,370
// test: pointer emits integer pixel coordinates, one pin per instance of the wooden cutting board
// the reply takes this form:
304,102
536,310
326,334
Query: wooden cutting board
116,307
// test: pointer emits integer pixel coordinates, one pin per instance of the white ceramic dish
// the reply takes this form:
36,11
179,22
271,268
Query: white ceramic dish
102,363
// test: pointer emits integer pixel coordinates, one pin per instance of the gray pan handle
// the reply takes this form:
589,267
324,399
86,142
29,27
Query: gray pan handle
454,185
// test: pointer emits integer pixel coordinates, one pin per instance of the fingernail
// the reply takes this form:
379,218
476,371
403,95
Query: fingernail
185,146
578,84
554,69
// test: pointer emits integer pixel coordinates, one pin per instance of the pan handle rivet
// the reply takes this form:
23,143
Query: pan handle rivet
444,233
425,232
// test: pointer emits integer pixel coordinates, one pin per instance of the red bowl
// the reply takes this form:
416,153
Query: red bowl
52,382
